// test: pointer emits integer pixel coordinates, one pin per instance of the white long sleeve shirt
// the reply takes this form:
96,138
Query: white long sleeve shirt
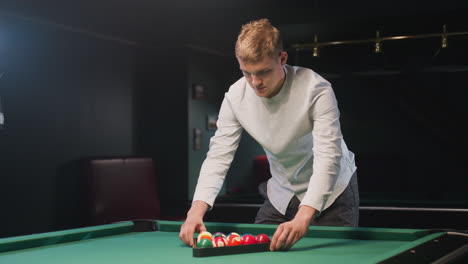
299,130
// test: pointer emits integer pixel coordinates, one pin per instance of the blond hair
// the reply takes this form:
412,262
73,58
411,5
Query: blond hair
257,40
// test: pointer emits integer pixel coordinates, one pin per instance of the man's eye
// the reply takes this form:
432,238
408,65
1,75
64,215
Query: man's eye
263,73
258,74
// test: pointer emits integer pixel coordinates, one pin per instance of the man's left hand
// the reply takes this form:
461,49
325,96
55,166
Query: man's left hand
288,233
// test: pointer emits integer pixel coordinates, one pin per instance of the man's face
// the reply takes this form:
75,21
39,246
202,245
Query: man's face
267,76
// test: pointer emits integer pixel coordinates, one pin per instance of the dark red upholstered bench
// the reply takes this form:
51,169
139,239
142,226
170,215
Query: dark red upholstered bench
121,189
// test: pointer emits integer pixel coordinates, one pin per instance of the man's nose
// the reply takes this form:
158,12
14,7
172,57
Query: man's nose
256,81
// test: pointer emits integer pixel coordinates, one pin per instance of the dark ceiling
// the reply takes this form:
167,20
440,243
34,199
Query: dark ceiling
215,23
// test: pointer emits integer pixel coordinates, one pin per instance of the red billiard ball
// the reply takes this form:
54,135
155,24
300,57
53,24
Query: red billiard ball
220,242
248,239
262,238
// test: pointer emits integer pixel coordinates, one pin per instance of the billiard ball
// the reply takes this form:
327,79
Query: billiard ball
248,239
234,240
204,243
204,234
233,234
262,238
219,234
220,242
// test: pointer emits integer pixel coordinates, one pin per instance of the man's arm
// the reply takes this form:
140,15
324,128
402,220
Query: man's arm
327,154
327,150
223,146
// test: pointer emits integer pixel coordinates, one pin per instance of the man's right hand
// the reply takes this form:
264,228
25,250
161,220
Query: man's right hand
193,223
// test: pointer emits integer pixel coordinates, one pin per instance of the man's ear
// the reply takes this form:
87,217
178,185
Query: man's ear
283,57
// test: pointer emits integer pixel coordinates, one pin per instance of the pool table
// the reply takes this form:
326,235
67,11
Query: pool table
146,241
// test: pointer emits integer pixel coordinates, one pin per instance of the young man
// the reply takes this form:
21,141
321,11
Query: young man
292,113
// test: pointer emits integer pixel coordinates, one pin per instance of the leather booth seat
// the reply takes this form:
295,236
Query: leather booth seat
122,189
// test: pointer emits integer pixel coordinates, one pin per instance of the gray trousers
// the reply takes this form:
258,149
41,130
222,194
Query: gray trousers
343,212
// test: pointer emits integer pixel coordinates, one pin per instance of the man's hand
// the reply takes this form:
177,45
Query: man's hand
193,223
288,233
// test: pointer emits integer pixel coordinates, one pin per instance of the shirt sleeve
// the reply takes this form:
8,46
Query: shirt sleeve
223,146
327,150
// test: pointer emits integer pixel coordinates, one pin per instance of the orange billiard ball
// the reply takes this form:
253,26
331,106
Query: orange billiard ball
204,235
234,240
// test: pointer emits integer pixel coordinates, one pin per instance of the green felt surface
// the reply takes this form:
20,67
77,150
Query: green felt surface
325,245
165,247
314,231
53,238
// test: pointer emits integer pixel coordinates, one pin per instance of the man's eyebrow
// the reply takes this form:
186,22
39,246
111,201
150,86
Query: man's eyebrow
260,71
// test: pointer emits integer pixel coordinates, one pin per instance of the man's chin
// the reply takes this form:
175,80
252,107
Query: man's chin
261,93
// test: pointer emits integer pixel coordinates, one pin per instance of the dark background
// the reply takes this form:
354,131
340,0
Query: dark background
113,78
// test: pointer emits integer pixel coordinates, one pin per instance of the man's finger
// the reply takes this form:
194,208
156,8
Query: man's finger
281,243
187,235
287,240
290,239
294,240
190,239
274,239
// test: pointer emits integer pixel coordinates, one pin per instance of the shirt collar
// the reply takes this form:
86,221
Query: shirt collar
283,91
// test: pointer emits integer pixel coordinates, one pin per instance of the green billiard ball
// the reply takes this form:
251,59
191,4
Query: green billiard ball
218,234
204,243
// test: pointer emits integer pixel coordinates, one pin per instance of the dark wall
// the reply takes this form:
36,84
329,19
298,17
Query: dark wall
208,71
160,122
68,95
65,95
402,111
